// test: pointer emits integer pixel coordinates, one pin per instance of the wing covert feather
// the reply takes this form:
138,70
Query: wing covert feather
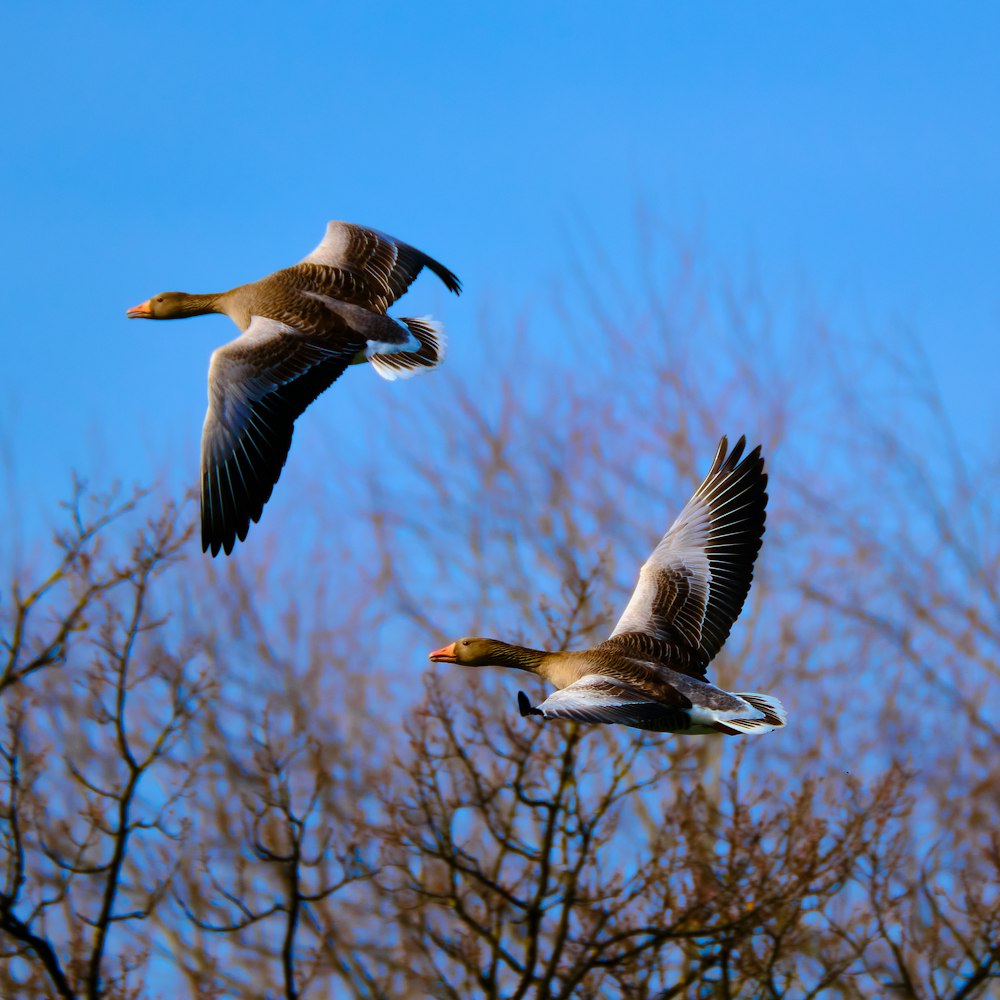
370,268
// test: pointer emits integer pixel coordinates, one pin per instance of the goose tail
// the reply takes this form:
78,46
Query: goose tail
427,353
775,716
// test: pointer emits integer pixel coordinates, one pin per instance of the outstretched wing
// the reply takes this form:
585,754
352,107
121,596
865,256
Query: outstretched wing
598,698
370,268
258,385
692,588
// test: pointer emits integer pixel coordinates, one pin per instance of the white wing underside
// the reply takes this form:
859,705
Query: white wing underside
257,386
680,560
599,698
602,699
237,380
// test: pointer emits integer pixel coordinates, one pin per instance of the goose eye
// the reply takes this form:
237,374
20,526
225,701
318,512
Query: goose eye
159,298
465,642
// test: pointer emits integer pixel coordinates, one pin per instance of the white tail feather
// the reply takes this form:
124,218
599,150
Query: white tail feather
773,711
769,705
754,726
429,333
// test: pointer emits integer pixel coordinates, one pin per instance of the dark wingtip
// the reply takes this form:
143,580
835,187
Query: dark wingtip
450,279
524,706
728,460
213,544
733,459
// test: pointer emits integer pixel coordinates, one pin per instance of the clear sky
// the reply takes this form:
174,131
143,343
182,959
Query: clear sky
848,152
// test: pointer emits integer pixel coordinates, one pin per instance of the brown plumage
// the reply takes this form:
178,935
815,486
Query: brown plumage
301,328
650,674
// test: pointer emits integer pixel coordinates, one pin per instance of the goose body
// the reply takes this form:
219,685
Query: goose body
301,328
651,672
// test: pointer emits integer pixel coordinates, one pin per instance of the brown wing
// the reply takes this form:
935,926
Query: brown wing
257,386
692,588
369,268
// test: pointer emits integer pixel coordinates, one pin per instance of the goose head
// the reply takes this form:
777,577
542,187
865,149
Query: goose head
477,652
470,652
169,305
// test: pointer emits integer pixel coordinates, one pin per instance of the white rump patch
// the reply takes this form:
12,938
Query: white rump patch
751,719
755,726
411,344
766,704
423,350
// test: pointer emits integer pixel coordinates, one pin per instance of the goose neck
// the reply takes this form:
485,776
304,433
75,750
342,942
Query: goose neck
520,657
200,305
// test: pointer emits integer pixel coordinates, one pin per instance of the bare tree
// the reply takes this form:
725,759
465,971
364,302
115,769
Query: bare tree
577,864
242,778
92,704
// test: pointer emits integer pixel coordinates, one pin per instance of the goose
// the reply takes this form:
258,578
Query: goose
301,327
651,673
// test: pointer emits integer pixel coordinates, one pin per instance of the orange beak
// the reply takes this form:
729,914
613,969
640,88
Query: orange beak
141,311
446,654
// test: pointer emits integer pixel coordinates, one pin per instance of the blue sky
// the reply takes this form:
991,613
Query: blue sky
848,153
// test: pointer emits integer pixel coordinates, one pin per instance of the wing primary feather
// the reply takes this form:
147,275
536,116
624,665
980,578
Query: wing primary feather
694,584
255,395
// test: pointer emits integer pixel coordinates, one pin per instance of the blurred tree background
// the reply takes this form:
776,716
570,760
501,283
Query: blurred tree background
242,778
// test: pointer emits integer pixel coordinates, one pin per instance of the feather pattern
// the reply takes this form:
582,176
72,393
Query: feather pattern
258,385
301,327
427,353
692,588
369,268
598,698
650,674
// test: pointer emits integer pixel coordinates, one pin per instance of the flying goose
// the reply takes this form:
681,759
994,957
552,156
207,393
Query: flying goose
301,327
651,672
